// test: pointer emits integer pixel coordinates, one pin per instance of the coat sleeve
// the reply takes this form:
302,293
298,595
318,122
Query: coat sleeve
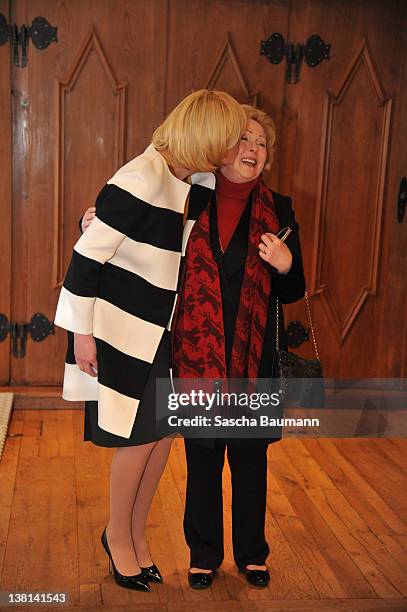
117,213
290,287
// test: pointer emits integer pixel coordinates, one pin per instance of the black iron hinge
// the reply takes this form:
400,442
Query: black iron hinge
313,51
39,328
40,31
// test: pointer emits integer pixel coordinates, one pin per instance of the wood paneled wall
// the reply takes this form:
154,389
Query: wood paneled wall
91,102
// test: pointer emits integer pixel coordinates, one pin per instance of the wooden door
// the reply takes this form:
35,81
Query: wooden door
5,199
342,155
81,108
90,102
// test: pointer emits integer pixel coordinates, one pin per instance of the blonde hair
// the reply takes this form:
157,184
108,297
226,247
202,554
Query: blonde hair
268,126
198,133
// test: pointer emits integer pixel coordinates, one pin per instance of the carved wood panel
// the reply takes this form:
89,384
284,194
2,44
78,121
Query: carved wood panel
102,141
350,198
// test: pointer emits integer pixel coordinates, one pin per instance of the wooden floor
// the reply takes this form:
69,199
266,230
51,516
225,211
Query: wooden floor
336,524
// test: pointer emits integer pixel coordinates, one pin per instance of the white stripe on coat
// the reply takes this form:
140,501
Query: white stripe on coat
125,332
99,242
172,313
75,312
157,266
148,177
189,224
79,386
116,412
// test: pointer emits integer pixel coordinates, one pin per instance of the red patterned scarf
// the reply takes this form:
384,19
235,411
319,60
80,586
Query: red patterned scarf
199,341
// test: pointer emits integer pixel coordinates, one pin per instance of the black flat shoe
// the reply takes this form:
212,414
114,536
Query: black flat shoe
152,573
138,582
200,580
258,578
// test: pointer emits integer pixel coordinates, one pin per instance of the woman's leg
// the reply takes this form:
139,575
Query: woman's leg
148,486
127,470
248,466
203,519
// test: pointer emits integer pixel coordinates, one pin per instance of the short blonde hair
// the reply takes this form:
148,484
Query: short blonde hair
198,133
268,126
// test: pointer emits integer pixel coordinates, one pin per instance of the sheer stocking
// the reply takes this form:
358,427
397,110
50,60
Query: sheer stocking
148,486
127,470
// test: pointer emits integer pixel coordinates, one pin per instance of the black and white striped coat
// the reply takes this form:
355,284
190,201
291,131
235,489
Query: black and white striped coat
121,284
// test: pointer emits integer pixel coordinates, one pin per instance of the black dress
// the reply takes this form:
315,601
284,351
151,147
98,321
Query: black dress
144,428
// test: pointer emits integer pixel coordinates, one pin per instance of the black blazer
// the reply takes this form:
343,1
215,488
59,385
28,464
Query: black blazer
288,287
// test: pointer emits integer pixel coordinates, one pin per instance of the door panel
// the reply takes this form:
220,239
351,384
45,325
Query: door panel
81,108
344,122
5,196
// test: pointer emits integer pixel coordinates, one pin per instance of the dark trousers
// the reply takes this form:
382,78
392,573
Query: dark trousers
203,520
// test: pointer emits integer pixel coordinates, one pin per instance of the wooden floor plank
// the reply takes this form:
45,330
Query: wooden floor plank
337,532
41,551
390,450
368,553
8,471
385,477
289,578
358,490
301,529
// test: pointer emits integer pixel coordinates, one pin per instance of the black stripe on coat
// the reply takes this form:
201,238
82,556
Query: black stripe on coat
198,200
146,301
118,371
83,275
153,225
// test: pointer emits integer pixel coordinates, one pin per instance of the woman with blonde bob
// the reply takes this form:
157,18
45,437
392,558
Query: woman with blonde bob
118,299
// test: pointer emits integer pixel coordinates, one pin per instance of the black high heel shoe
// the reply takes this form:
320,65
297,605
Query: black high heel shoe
138,582
152,573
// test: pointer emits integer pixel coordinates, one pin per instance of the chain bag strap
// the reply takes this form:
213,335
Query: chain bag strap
306,386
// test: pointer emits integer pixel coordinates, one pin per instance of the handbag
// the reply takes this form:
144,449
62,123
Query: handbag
300,380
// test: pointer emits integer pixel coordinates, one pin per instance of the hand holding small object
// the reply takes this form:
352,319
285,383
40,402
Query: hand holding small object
275,252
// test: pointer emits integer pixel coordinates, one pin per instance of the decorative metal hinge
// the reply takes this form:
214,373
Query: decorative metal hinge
40,31
314,51
39,328
296,334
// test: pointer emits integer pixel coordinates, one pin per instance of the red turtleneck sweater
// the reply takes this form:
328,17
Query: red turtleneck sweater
231,200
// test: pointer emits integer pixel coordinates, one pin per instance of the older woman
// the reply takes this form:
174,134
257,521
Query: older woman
246,267
118,299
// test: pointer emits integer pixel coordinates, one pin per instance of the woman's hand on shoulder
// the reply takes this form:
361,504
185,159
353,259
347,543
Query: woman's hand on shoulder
85,353
275,252
88,218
